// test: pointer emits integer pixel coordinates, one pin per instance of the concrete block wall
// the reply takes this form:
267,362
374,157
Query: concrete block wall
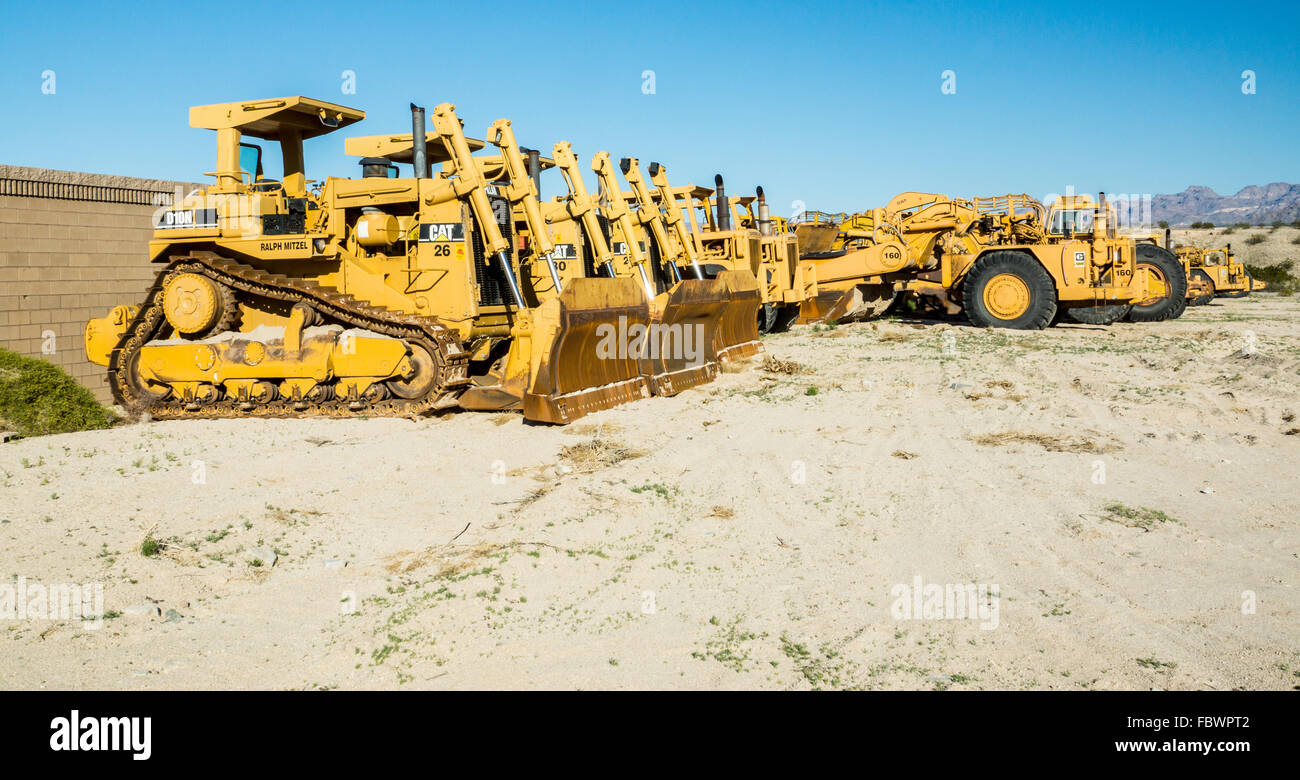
72,246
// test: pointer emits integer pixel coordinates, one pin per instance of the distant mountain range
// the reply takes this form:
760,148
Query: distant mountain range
1254,204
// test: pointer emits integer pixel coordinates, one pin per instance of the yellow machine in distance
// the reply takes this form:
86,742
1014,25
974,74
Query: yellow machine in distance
1005,262
1219,272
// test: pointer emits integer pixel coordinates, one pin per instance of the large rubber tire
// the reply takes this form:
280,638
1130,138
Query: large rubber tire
766,318
1037,310
1164,263
1097,315
1250,285
1201,300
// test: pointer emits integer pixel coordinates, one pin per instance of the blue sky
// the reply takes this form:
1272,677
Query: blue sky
840,107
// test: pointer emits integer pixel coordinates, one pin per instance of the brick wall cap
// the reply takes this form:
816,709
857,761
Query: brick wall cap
94,179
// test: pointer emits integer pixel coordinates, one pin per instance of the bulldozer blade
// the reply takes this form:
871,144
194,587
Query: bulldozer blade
567,357
817,308
738,332
681,350
582,364
816,238
856,303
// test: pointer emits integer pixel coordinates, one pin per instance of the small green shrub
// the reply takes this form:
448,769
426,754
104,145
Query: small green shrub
1255,239
1279,277
1138,517
38,398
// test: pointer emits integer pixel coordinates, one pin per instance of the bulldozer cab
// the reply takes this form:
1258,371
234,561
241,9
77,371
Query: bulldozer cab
287,121
699,215
737,210
742,210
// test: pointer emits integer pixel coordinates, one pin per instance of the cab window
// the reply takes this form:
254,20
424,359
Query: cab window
705,216
1074,220
250,161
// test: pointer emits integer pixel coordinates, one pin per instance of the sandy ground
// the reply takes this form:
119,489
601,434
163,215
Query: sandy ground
1131,493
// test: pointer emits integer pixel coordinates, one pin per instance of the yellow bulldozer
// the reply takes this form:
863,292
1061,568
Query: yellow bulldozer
687,311
738,234
1007,261
384,294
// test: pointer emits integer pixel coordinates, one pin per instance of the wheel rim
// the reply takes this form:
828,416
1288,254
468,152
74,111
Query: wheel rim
146,390
1006,296
191,303
1157,285
423,376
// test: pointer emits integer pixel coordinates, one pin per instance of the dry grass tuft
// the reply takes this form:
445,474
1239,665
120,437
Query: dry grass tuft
1048,441
597,453
1015,397
451,560
774,366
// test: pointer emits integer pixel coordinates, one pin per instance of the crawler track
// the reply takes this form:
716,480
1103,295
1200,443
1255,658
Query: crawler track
453,362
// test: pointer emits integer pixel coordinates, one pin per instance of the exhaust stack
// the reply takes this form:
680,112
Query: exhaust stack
535,170
419,143
724,208
764,215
